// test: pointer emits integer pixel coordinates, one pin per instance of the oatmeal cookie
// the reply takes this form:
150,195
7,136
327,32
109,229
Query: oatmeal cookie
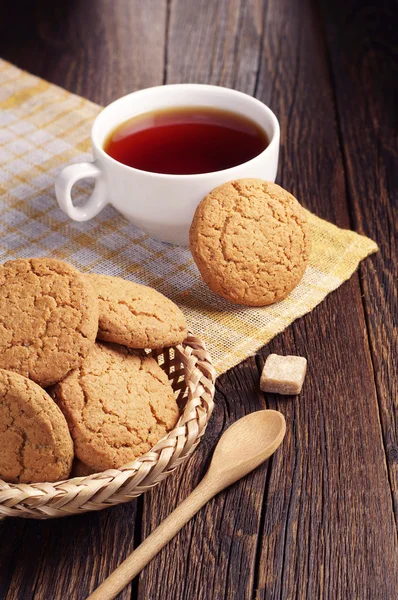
135,315
118,404
35,444
48,318
251,241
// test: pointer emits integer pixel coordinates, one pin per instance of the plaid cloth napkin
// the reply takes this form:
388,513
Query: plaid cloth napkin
42,129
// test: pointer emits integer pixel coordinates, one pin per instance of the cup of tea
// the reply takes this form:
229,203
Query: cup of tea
159,151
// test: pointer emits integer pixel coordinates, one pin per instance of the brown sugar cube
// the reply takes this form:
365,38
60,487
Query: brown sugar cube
283,374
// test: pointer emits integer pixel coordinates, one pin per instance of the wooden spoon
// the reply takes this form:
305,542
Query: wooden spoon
241,448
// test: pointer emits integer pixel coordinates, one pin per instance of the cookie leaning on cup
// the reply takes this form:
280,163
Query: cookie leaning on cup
135,315
251,241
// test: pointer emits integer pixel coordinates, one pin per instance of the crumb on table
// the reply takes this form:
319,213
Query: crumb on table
283,374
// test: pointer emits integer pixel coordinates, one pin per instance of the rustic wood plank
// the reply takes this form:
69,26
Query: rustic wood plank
215,42
13,532
330,481
70,557
331,478
100,50
363,54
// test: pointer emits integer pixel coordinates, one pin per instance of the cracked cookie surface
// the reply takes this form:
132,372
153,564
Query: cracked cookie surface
35,444
48,318
251,241
135,315
118,405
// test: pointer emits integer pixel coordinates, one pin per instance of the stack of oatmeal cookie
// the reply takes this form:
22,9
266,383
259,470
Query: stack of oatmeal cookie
104,403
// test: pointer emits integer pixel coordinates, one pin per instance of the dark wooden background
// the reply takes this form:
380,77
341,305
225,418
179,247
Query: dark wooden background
319,520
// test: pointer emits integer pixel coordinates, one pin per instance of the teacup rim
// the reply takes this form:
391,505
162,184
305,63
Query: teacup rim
274,141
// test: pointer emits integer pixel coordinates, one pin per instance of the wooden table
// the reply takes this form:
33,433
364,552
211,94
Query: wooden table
319,519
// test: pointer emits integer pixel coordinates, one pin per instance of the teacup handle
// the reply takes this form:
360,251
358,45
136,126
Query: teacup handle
65,182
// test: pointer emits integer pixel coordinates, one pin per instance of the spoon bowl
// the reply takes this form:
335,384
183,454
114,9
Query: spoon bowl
245,445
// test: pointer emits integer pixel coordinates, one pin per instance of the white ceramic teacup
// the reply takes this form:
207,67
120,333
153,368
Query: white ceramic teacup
162,205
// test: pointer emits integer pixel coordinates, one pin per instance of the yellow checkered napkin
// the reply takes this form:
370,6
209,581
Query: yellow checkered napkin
44,128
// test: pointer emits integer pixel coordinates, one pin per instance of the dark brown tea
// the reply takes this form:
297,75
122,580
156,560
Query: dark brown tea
185,141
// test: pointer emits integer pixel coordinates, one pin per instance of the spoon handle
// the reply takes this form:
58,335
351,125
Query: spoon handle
134,563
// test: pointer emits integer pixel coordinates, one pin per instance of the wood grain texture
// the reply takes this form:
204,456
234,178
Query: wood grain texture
332,490
63,558
317,520
100,50
366,66
215,42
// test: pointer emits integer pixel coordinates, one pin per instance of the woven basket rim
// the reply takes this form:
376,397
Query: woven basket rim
92,492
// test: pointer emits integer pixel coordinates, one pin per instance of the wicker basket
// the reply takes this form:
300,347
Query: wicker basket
192,376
